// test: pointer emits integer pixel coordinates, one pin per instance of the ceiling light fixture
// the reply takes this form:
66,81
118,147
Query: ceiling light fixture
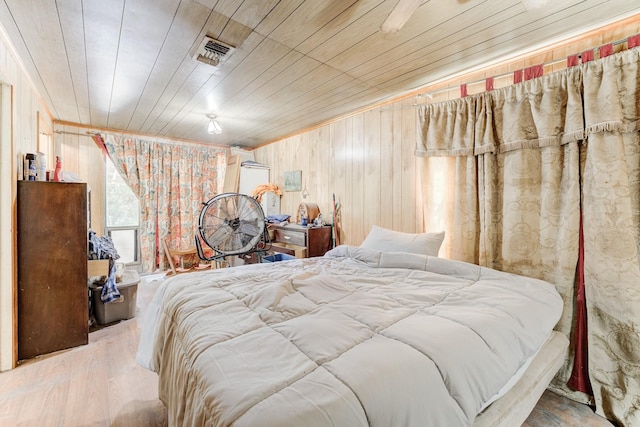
214,126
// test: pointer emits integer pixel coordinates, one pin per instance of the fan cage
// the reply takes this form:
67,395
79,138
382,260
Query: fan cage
232,224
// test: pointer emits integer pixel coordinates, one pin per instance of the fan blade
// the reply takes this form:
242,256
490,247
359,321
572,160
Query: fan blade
245,209
220,236
228,208
399,15
534,4
250,228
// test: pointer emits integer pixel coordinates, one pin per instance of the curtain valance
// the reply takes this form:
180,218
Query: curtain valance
447,128
455,128
536,113
611,87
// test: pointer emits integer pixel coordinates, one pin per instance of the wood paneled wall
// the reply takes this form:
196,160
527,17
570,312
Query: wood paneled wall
26,114
367,159
80,155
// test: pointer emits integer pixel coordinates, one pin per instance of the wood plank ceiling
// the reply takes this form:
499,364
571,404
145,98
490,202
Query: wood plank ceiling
128,65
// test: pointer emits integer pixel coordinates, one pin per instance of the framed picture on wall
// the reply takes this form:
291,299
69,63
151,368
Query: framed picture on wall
293,181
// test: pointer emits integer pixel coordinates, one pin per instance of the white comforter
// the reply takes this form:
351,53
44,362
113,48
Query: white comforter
354,338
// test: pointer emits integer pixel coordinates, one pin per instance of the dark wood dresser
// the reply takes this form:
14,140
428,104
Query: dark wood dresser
302,242
52,267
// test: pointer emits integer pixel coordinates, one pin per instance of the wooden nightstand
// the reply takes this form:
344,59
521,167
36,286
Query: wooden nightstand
302,242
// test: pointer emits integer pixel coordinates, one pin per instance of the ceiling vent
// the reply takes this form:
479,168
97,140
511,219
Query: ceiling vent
213,52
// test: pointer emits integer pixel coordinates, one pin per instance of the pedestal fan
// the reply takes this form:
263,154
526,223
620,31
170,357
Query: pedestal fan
232,224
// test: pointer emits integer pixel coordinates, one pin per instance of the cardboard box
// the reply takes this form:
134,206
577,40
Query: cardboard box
97,267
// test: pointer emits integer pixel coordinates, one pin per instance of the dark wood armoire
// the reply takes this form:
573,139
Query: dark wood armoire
52,267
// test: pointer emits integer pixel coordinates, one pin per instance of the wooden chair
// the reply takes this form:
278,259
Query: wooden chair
181,253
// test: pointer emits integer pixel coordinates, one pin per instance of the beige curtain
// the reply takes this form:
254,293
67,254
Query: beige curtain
611,198
451,133
545,152
529,190
450,187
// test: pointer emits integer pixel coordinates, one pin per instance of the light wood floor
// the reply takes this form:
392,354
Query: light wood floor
100,385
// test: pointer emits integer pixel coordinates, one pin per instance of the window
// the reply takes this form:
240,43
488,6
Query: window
121,215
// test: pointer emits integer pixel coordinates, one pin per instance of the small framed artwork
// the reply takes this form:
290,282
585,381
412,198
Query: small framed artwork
293,181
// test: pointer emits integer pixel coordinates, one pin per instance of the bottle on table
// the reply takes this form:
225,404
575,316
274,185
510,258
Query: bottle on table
57,174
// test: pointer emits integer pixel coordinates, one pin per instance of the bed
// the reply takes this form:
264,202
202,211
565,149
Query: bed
357,337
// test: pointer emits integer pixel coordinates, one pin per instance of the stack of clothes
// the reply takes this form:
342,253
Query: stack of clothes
101,247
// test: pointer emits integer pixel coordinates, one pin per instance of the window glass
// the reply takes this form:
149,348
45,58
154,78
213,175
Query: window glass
125,242
121,215
122,208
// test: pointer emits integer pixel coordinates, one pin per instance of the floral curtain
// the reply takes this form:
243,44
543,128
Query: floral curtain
171,182
561,148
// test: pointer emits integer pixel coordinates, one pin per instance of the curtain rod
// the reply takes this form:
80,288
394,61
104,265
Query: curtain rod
91,134
152,138
446,89
161,140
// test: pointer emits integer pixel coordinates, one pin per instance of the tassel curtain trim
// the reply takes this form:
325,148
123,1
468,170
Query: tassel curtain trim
613,126
536,143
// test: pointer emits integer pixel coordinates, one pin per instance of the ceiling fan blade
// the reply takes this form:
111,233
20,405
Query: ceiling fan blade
534,4
399,15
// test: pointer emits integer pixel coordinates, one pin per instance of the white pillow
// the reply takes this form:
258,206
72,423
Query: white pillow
384,240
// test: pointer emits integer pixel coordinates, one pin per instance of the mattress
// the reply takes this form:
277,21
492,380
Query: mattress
357,337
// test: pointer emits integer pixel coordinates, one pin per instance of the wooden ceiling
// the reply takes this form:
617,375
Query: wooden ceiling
128,65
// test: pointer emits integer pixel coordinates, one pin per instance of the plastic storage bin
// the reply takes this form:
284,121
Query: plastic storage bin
122,309
277,257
